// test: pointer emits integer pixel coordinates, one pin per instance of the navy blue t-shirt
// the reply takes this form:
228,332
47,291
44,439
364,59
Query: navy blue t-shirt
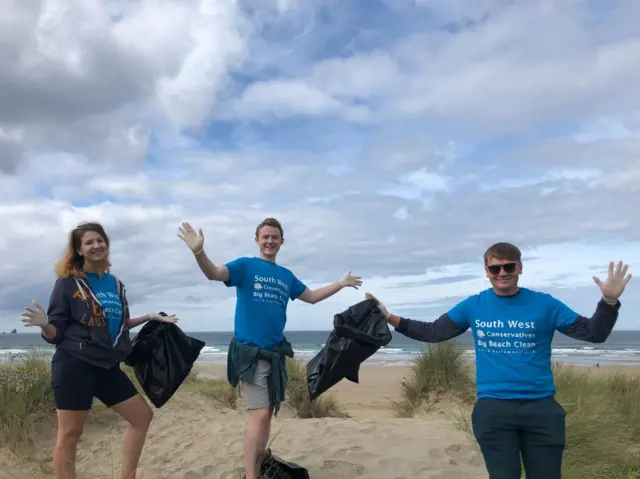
512,338
263,291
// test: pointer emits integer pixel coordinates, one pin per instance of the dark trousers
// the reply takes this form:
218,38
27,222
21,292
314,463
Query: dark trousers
508,430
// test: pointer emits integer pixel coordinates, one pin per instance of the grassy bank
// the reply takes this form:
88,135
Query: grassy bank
26,398
603,411
603,424
298,395
439,374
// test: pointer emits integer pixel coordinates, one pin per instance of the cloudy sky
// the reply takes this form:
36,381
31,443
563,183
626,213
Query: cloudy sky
394,138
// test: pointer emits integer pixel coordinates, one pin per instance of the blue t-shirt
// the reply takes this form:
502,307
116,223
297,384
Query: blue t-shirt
512,338
263,290
106,290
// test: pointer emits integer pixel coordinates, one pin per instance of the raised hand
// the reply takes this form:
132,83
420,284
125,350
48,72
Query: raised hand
348,280
171,318
615,283
381,306
35,316
195,241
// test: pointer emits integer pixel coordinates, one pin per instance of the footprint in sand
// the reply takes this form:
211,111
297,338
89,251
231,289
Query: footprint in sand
477,459
390,462
346,450
448,475
462,453
342,467
207,471
458,451
436,454
237,472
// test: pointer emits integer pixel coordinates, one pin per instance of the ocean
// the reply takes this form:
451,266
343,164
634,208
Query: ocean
622,348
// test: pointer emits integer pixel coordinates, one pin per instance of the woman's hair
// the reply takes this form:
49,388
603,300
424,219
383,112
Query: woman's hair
71,262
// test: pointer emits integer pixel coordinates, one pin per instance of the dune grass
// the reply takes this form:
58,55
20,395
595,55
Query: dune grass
298,395
218,390
603,411
26,399
437,374
603,423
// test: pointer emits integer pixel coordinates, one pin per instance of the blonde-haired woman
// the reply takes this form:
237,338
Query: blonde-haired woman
88,321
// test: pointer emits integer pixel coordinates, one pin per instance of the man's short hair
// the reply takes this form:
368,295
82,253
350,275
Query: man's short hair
274,223
503,251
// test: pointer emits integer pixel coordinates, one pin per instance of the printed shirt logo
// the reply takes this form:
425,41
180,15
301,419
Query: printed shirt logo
268,289
111,309
505,337
97,319
112,306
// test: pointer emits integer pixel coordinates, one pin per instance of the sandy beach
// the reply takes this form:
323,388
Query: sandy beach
192,437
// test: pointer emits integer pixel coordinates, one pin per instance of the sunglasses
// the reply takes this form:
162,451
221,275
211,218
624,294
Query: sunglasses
508,268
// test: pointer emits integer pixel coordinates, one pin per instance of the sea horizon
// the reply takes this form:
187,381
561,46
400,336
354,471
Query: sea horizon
621,349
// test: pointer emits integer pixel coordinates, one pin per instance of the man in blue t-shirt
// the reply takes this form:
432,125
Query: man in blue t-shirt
263,291
516,414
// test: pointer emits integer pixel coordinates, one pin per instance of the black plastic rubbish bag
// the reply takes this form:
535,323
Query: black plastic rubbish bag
358,332
273,467
162,357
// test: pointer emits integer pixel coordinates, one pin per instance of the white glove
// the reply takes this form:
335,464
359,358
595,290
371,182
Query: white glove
170,318
381,306
351,281
195,241
35,316
615,283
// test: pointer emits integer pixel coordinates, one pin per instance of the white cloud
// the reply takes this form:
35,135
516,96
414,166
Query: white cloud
401,213
93,76
590,177
286,98
398,145
412,185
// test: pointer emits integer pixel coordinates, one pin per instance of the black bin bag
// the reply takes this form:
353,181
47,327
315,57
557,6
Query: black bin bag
162,357
273,467
358,332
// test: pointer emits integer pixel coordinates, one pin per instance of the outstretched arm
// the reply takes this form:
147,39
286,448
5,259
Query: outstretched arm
55,320
442,329
210,270
595,329
49,332
162,317
598,327
313,296
195,242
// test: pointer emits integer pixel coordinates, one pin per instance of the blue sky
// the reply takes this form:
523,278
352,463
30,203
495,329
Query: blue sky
397,139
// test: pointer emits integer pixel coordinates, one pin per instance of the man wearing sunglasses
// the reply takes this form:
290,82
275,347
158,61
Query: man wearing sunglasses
516,415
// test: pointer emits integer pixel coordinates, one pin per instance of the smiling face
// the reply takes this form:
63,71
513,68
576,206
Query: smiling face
269,239
93,248
503,274
503,266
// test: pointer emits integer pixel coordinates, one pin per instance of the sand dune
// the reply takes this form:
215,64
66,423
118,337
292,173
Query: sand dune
191,438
